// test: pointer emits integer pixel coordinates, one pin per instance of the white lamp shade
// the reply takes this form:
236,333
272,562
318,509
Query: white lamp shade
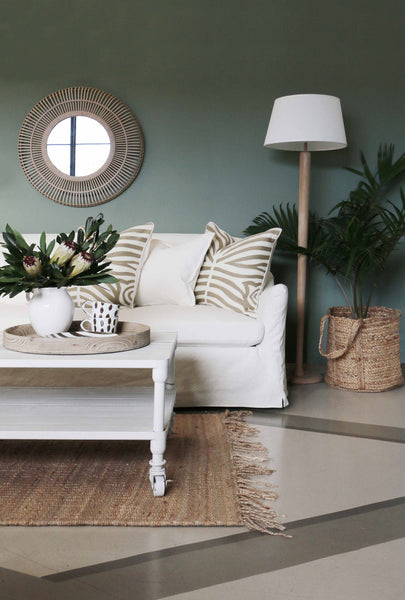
312,119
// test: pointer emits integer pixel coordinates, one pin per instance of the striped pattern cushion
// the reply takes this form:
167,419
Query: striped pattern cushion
234,270
127,258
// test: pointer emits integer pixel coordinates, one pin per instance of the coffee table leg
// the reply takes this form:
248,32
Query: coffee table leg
157,472
170,386
170,375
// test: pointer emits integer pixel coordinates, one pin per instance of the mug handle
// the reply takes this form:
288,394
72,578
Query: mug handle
85,328
84,307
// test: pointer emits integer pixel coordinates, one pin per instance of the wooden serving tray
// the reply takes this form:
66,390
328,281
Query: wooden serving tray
23,338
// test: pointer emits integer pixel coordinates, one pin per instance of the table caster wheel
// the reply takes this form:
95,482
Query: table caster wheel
159,485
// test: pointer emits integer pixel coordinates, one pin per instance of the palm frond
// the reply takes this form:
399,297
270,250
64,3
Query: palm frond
355,241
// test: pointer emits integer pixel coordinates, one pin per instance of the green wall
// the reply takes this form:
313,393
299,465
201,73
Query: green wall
201,76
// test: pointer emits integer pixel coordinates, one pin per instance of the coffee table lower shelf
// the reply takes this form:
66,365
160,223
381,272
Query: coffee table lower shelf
93,413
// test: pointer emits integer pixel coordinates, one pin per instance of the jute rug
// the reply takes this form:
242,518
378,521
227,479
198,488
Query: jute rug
211,460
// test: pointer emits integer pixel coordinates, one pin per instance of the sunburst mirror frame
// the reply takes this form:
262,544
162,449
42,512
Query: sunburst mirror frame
117,173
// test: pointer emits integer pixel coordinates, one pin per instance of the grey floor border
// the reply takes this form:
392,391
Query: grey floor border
382,433
156,575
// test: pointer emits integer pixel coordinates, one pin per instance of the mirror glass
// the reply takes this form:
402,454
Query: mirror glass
78,146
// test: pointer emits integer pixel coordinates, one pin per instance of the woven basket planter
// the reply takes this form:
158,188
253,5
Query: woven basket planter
363,354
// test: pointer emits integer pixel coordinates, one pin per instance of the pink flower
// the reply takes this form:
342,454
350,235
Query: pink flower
64,252
32,265
81,262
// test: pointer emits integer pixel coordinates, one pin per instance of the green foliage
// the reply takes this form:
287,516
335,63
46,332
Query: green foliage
47,270
355,241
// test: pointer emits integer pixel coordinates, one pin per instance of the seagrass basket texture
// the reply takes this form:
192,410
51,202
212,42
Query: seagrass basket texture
363,354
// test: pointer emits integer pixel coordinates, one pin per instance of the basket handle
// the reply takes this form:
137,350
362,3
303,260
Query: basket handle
357,323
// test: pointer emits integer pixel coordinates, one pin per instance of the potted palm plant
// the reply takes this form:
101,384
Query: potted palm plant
353,244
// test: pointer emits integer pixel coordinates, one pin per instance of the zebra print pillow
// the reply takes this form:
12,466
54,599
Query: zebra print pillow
234,270
127,258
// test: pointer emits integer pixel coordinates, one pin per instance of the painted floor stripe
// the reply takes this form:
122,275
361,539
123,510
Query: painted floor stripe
382,433
156,575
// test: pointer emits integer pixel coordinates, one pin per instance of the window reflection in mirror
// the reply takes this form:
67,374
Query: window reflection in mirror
78,146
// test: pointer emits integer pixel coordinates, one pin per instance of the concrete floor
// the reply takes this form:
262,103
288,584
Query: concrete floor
339,460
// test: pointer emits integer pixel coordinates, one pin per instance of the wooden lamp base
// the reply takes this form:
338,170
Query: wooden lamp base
306,377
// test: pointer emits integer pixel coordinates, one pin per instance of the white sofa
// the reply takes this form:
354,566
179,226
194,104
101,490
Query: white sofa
224,358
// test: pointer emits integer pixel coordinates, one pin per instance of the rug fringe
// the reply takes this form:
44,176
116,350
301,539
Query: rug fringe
250,460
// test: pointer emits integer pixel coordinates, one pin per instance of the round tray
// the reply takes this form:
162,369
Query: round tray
23,338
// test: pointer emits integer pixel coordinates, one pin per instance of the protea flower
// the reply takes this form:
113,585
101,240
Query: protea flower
80,262
64,252
32,265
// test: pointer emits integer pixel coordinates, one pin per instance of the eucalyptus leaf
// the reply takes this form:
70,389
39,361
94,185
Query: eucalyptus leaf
80,237
50,247
88,225
11,241
42,242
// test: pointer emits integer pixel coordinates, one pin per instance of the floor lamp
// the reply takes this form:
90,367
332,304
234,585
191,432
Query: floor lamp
305,123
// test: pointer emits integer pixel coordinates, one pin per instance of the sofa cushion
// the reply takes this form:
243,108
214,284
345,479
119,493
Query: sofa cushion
197,325
127,258
234,271
170,272
12,312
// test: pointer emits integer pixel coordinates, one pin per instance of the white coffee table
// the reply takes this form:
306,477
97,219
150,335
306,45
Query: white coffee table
96,413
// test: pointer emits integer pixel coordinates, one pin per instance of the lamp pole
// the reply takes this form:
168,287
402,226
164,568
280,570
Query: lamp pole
300,376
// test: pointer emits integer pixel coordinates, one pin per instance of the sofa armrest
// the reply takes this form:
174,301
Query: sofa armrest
272,308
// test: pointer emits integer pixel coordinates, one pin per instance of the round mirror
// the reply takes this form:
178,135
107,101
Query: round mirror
81,147
78,146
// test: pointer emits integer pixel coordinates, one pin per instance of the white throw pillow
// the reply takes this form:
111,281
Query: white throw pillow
170,272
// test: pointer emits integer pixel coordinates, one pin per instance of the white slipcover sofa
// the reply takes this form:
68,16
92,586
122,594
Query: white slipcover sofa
224,358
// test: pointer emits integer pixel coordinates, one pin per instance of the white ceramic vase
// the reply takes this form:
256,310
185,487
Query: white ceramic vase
50,310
